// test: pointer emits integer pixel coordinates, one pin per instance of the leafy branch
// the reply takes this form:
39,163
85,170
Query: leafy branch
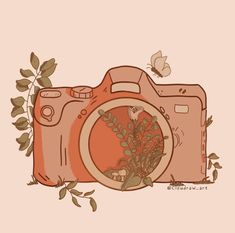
70,188
31,81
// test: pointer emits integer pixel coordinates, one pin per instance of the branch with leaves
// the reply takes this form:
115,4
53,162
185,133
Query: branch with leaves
30,83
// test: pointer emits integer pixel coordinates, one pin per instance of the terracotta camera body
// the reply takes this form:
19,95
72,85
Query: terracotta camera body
66,135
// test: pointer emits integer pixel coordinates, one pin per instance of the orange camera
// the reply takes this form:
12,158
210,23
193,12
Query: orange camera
127,126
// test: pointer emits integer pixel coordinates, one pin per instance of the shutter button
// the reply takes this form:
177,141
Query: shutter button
82,92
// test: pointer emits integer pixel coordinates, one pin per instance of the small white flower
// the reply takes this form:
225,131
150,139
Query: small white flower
134,112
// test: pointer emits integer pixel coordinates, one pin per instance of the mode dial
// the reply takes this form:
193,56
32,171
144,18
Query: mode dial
82,92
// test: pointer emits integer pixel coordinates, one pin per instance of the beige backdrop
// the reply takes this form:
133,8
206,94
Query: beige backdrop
86,39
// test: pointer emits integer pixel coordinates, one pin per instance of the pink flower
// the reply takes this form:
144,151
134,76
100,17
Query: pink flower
134,112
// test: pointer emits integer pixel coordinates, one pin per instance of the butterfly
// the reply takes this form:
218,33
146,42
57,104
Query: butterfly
159,65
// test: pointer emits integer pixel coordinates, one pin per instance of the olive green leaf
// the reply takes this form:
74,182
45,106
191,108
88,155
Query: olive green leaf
76,192
21,123
26,73
130,125
47,64
154,119
93,204
89,193
25,145
101,112
72,184
75,202
124,132
23,138
16,111
213,156
62,193
33,97
110,124
114,120
209,121
49,71
127,152
44,82
217,165
23,82
115,129
155,126
131,181
21,88
119,135
210,165
18,101
29,150
124,144
148,181
34,61
31,110
109,115
215,175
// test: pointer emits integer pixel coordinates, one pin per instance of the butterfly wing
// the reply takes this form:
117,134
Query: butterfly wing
155,56
160,63
166,70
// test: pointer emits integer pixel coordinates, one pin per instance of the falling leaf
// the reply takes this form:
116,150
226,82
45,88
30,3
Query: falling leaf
26,73
62,193
25,145
75,192
93,204
210,164
29,150
75,202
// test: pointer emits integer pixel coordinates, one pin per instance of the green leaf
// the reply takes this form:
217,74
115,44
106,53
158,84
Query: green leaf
131,181
93,204
36,89
119,135
114,119
210,165
101,112
89,193
16,111
33,97
124,132
49,71
44,82
26,73
115,129
109,115
215,175
213,156
31,110
47,64
29,150
217,165
75,192
148,181
127,152
21,123
23,82
124,144
25,145
34,61
23,138
21,89
18,101
110,124
62,193
72,184
75,202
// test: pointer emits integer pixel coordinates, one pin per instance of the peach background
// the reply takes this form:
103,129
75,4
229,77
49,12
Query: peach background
86,39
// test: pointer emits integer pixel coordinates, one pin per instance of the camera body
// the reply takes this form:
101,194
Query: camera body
64,118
